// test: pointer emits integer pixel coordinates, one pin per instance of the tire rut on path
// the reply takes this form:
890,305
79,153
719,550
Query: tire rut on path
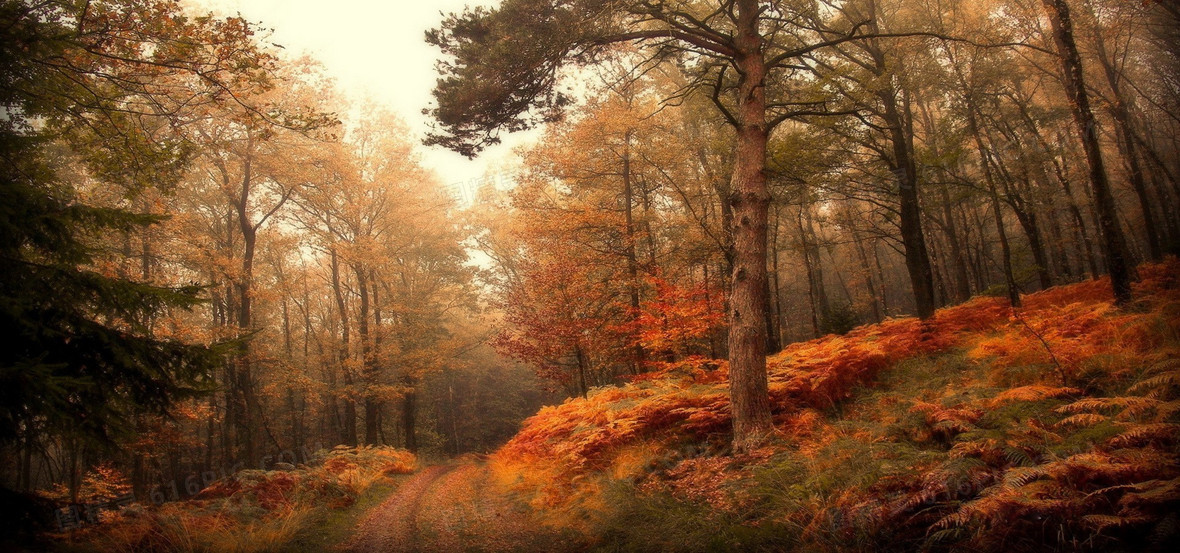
393,525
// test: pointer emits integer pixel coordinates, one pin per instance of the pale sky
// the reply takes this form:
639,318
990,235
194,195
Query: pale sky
374,48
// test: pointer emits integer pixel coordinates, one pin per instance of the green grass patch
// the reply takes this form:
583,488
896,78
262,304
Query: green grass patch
328,527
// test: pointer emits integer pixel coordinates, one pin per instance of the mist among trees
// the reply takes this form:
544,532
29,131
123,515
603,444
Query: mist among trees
740,227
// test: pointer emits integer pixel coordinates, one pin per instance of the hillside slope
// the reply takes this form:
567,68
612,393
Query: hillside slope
1050,427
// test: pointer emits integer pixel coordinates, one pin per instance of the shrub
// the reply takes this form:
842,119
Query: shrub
253,510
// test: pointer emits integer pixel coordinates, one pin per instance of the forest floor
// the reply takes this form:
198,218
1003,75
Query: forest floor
454,508
1054,426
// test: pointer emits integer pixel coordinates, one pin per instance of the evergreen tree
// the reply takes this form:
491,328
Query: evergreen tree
80,357
92,93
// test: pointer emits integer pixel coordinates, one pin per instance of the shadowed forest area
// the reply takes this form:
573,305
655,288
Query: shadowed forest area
797,275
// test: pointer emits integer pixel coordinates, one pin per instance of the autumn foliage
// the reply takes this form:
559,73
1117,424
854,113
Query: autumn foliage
252,510
984,428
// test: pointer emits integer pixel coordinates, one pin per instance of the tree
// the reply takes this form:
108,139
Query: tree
259,155
1087,129
395,268
81,357
504,77
93,92
885,93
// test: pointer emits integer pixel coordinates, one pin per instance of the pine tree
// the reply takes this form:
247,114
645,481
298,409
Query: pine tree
90,98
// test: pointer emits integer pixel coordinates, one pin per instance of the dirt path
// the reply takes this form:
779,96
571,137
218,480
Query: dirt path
454,508
392,526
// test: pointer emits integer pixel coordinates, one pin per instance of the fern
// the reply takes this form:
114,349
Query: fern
1035,392
950,431
1083,420
1018,457
1104,522
1160,379
1145,434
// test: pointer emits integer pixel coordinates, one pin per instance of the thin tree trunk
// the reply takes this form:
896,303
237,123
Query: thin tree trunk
936,270
816,267
26,468
580,358
1026,216
379,403
957,261
409,414
1086,245
1075,84
287,348
1064,266
917,257
640,355
858,242
1130,150
368,362
775,328
812,287
881,279
348,427
1005,249
244,371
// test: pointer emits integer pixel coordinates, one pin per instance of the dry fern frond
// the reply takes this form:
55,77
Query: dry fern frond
1083,420
1104,522
1147,433
1036,392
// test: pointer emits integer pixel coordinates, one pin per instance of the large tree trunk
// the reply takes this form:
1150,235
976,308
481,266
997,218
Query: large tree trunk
900,128
901,134
750,198
1075,85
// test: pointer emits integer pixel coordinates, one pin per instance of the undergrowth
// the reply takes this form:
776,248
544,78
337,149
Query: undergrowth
251,511
1053,427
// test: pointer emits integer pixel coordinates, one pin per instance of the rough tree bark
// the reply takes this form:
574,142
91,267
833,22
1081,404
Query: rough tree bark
750,198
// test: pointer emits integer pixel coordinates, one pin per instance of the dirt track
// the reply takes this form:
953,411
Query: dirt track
393,525
454,508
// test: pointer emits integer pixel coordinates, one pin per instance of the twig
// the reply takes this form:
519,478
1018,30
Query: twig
1045,344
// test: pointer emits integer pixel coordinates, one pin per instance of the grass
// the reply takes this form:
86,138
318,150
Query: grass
326,528
311,508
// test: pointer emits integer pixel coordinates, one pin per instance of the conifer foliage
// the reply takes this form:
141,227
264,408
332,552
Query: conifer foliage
100,83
